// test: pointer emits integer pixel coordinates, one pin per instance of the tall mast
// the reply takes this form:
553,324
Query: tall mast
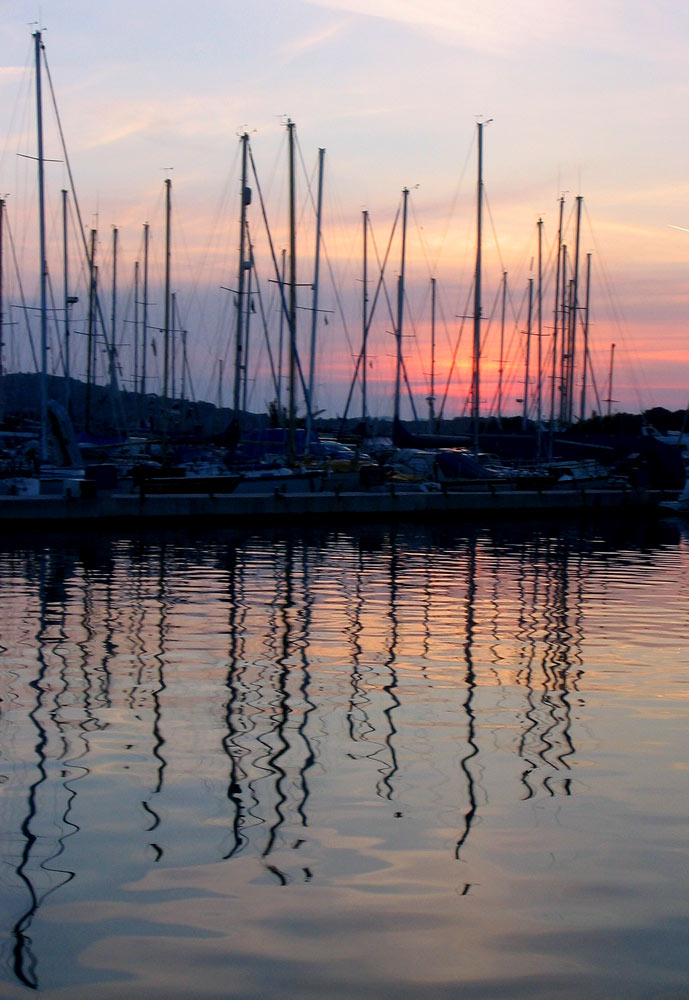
364,310
65,297
612,361
431,398
553,393
573,318
400,306
136,325
539,383
586,336
476,358
314,311
90,348
564,339
292,296
502,345
42,251
166,333
113,316
173,357
247,324
245,198
177,326
183,392
525,414
144,330
281,332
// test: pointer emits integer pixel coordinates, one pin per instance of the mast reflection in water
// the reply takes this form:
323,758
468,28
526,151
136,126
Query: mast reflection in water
392,761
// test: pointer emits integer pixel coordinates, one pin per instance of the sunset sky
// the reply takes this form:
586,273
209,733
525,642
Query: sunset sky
585,98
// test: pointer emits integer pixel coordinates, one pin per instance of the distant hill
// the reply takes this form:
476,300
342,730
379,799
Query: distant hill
102,412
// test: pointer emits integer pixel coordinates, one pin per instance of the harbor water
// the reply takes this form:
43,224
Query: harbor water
385,762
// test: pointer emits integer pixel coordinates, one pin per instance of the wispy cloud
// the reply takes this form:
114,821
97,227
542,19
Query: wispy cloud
186,117
494,25
316,39
509,26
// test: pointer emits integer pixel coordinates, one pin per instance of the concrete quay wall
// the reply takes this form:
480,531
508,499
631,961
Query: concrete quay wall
278,507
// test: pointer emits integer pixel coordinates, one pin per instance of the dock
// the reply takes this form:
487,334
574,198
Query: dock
334,506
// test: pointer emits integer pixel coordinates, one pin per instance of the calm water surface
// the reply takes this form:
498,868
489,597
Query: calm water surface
383,762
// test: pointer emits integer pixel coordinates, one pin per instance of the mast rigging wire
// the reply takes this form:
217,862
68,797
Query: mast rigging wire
116,402
373,308
279,279
21,291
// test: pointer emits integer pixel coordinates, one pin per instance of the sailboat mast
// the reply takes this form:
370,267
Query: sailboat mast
90,352
564,337
183,390
400,306
166,331
240,278
173,356
539,383
292,295
247,326
144,330
314,308
113,316
476,356
364,310
553,392
525,413
431,398
177,327
502,345
65,296
136,325
612,361
586,336
42,250
281,333
573,317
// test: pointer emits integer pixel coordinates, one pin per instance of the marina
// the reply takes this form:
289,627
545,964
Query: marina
344,505
56,427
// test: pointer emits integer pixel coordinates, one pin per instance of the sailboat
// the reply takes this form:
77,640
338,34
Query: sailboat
52,464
